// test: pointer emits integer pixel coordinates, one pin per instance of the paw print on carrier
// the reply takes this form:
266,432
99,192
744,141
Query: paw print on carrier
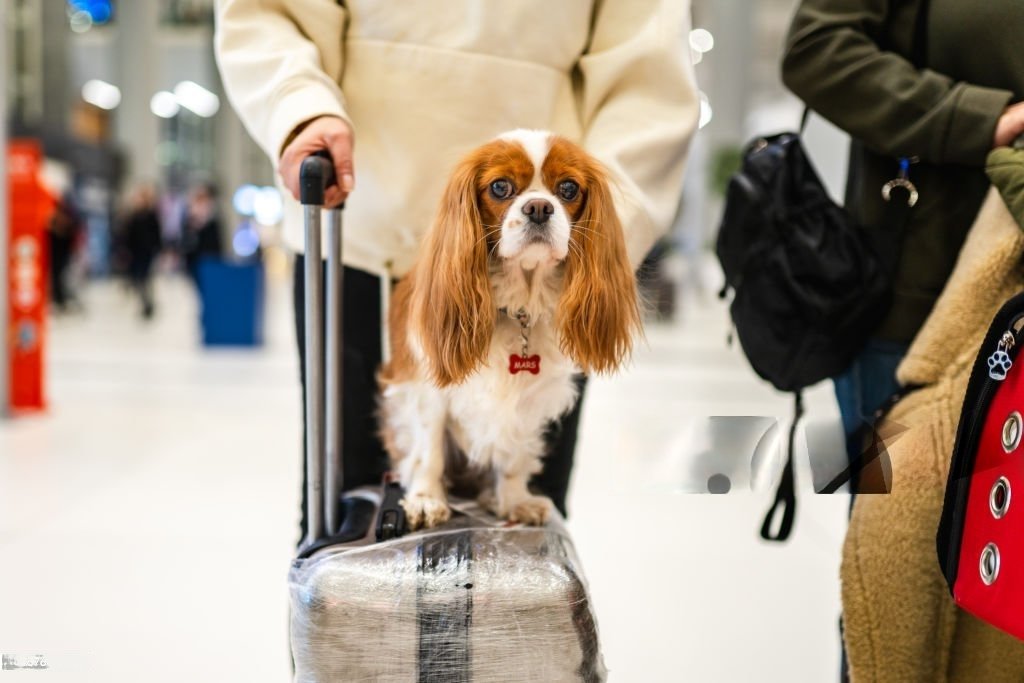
999,364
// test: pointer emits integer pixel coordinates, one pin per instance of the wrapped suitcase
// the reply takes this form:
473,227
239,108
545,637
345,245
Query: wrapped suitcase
981,532
476,599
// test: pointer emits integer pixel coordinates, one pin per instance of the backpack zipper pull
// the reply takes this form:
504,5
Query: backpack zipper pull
999,362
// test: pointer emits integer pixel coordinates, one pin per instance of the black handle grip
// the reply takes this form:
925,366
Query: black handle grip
391,521
315,175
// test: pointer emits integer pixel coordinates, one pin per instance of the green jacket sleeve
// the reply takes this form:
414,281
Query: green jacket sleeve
835,64
1005,168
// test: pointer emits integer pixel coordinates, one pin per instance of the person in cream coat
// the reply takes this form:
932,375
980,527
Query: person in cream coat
398,91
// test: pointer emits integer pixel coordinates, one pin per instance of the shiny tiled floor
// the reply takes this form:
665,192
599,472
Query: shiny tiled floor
146,521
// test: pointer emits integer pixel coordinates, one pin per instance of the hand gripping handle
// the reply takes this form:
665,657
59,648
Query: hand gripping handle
315,175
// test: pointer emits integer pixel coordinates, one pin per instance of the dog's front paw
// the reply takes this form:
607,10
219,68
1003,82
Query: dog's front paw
423,510
533,510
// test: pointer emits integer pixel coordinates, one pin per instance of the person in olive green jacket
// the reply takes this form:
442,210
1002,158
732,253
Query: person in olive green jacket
933,81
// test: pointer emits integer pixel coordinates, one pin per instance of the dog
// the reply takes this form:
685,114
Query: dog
522,282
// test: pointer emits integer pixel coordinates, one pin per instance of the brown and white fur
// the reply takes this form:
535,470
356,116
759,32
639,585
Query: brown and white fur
448,381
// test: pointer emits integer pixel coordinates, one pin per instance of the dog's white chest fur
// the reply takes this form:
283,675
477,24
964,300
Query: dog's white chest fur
497,415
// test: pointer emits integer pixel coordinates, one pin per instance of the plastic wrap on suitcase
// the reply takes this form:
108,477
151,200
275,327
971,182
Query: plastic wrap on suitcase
475,601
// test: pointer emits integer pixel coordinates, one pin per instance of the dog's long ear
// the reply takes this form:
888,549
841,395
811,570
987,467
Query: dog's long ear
453,313
598,314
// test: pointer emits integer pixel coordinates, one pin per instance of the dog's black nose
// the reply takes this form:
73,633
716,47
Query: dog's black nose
538,210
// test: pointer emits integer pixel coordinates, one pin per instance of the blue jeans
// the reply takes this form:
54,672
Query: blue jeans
863,388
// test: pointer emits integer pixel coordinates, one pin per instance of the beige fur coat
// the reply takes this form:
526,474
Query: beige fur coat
901,623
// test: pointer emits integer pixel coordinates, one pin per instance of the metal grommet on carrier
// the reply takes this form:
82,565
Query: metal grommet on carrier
1012,432
999,497
988,565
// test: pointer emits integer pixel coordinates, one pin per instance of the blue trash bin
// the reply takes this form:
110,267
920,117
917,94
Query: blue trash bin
232,296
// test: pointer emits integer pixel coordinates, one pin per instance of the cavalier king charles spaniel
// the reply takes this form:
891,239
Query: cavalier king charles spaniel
522,282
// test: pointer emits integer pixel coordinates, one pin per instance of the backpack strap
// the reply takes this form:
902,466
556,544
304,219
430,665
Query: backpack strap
785,495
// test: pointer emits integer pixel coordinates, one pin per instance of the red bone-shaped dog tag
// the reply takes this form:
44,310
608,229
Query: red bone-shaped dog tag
530,364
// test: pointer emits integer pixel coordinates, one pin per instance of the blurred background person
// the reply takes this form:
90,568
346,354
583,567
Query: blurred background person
64,233
143,244
202,229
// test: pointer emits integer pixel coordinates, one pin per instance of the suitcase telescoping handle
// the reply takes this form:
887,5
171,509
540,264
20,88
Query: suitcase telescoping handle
323,389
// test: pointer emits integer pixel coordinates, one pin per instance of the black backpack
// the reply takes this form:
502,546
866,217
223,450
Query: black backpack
809,288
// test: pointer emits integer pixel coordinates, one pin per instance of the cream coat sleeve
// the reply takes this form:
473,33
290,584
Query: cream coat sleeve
281,63
639,108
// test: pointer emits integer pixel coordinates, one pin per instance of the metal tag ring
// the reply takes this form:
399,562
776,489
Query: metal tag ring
988,565
999,497
1011,433
905,184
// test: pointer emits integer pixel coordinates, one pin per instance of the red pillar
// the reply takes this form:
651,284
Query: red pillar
28,249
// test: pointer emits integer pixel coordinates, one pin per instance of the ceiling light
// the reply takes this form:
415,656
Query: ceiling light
196,99
701,40
164,105
102,94
80,22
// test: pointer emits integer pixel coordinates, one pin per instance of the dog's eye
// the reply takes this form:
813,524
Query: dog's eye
568,190
501,189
